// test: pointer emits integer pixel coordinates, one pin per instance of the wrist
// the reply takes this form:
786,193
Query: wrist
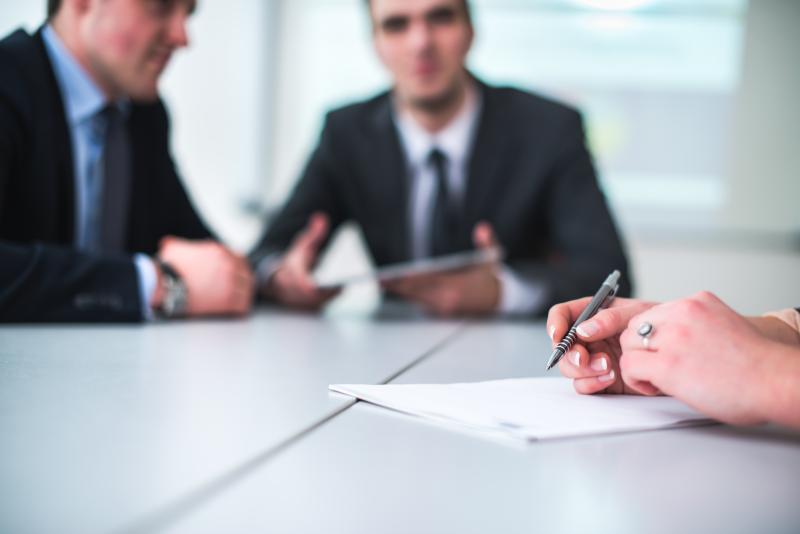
774,328
270,285
266,270
495,291
775,381
157,298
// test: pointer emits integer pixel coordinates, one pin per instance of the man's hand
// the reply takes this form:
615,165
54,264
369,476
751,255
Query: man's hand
292,284
471,291
218,281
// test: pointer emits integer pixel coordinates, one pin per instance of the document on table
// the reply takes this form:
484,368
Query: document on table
528,408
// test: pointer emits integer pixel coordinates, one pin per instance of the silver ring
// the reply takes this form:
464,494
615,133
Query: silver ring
645,330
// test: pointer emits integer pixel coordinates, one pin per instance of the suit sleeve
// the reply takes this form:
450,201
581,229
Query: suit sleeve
48,283
43,283
8,125
585,244
316,191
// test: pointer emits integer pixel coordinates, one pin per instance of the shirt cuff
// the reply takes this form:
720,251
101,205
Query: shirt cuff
265,268
148,278
519,296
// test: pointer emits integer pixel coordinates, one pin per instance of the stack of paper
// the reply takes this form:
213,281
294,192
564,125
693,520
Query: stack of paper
528,408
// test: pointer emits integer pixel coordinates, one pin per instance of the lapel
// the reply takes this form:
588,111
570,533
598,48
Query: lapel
389,175
489,149
58,145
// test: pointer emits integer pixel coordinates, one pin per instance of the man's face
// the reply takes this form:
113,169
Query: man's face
129,42
424,44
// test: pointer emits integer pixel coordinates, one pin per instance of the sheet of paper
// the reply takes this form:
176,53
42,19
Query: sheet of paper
451,262
528,408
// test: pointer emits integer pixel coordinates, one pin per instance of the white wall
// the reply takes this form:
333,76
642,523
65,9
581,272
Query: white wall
220,97
28,15
765,164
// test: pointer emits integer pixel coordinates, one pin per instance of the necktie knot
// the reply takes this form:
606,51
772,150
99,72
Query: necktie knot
438,160
436,157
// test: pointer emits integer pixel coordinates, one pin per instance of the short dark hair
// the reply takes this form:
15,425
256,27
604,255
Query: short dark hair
52,7
464,6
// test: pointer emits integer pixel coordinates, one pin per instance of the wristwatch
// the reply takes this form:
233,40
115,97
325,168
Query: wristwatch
175,293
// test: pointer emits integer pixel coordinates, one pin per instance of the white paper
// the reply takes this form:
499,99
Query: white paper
528,408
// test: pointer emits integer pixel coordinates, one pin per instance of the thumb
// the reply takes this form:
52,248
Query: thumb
167,241
314,233
483,236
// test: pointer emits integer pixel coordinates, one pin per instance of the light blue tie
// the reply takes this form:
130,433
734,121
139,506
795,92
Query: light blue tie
92,199
108,182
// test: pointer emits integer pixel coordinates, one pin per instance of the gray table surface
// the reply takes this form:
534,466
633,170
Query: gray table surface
373,470
112,428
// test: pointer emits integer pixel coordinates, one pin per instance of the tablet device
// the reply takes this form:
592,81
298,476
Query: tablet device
439,264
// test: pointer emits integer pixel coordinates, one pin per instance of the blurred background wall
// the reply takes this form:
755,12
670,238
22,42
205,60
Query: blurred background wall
690,108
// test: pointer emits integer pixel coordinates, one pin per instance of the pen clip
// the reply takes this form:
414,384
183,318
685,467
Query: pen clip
610,297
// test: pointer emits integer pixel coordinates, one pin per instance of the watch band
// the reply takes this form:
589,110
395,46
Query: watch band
176,295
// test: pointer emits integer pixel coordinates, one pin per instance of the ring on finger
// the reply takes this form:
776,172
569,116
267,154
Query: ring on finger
645,330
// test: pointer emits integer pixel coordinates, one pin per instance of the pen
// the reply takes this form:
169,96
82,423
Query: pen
602,298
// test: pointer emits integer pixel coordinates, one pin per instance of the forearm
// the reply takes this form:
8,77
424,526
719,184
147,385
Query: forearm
775,329
779,384
47,283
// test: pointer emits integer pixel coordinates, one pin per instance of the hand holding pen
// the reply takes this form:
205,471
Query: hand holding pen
593,359
601,299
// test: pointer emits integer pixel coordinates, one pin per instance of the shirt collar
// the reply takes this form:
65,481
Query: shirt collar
82,97
455,139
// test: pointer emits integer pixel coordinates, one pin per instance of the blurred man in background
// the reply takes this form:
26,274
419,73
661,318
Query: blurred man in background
442,163
94,222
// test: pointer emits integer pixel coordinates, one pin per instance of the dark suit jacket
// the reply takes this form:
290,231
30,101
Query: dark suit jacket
41,277
530,176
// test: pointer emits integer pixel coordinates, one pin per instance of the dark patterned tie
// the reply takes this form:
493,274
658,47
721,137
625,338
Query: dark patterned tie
116,181
444,224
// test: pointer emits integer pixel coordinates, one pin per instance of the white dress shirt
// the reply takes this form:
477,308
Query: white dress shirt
455,141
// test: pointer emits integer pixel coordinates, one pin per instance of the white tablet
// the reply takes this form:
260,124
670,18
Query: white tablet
451,262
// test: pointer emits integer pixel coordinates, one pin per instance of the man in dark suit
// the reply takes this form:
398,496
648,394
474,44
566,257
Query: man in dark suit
441,163
94,222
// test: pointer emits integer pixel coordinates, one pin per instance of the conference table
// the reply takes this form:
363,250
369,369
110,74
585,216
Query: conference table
228,426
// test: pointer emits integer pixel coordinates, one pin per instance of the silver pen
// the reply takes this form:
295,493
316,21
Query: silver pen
601,299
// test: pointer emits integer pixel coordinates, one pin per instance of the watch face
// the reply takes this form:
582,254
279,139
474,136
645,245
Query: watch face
175,299
175,292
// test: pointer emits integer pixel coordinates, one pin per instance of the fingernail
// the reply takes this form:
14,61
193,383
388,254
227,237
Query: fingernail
575,358
552,331
587,329
599,365
607,378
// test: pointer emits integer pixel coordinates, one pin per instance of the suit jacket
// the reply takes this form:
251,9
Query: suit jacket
41,277
529,175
